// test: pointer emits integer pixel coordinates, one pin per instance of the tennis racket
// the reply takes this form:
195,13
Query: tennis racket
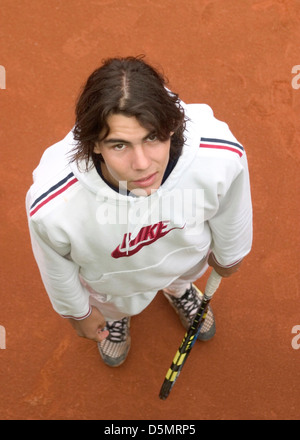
190,337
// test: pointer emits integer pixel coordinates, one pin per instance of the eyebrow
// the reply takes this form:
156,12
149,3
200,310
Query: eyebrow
123,141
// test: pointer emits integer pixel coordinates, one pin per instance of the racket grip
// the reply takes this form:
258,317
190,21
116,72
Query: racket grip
212,284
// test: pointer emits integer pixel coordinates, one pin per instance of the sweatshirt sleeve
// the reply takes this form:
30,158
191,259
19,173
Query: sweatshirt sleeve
60,275
231,226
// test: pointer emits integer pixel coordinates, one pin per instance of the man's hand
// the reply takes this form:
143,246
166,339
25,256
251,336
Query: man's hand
225,272
91,327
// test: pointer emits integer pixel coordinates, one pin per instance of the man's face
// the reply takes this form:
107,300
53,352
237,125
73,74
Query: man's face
133,155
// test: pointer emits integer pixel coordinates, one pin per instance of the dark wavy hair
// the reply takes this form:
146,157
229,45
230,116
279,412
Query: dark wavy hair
131,87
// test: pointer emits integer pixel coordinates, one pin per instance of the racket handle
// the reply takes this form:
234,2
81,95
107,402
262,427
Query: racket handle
212,284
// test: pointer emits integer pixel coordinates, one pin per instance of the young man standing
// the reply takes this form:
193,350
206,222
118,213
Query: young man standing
142,195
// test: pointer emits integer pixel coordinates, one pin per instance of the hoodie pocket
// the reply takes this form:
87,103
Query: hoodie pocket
150,278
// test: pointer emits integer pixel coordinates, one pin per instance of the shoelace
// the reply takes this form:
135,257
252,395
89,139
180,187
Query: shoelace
117,330
189,302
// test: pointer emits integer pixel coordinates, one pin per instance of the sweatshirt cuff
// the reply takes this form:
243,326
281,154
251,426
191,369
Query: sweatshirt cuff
228,265
78,318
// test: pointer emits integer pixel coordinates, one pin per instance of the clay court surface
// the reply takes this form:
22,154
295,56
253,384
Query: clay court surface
236,56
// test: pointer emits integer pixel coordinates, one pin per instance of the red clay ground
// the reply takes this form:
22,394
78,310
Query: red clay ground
237,57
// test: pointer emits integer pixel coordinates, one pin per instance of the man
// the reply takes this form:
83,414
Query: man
142,195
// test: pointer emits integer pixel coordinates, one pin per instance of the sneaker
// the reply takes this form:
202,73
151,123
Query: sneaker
187,307
114,349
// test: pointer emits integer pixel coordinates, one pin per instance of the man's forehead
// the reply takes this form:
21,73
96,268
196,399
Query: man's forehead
122,127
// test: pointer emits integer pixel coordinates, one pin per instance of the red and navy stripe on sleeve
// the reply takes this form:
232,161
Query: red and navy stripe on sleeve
222,144
53,192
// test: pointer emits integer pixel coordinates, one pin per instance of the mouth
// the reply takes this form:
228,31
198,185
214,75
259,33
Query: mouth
146,181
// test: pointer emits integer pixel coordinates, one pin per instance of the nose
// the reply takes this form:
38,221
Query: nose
140,159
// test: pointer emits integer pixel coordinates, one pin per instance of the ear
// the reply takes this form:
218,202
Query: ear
171,134
97,148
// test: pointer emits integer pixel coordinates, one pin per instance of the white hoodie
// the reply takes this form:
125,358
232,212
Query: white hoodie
89,240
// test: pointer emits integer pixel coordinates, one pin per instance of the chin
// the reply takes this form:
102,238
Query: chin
143,192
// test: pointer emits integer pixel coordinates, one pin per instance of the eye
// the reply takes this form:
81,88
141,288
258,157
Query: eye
119,147
152,137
